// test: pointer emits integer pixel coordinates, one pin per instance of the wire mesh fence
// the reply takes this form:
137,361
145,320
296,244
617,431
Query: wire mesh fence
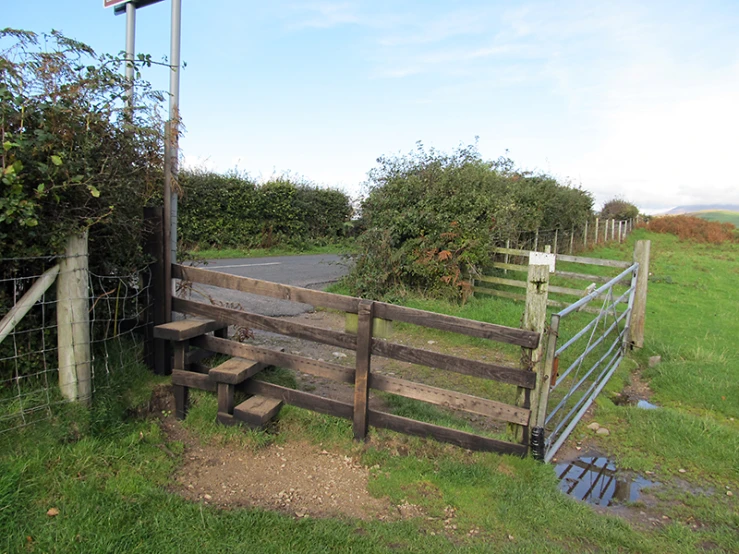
29,352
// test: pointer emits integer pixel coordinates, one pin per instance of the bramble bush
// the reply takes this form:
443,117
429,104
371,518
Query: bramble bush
432,218
693,228
231,211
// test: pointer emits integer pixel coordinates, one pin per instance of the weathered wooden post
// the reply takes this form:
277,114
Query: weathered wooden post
639,309
572,238
585,236
73,322
544,383
507,258
159,352
361,376
556,237
597,221
536,241
534,319
613,229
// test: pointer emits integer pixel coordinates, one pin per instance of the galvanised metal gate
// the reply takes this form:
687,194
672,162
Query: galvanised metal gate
592,354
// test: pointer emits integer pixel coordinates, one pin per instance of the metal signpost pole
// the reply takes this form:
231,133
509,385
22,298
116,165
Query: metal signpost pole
130,50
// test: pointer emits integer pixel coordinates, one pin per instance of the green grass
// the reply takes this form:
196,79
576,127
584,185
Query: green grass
722,216
107,470
225,253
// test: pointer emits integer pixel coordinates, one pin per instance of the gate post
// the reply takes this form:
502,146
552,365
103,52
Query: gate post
160,351
361,377
534,319
639,309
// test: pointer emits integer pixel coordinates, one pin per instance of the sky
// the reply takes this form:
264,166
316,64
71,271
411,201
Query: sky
630,99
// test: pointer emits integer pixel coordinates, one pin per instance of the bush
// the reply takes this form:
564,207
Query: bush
231,211
432,219
692,228
620,209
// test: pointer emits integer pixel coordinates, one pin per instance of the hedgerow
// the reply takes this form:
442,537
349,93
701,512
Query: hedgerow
231,211
432,219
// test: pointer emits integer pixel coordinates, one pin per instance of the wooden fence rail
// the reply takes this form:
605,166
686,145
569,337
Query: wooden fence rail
194,333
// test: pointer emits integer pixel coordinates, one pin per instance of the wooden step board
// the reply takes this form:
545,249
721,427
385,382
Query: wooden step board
187,329
257,410
235,371
227,376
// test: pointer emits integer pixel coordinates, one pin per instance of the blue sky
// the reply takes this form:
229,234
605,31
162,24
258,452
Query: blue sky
635,99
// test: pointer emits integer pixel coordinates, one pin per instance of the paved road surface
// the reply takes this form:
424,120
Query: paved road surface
315,272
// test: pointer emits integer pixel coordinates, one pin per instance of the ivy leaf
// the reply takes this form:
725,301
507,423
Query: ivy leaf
94,191
56,160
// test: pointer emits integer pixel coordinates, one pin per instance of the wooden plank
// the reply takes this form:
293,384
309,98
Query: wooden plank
196,356
194,380
181,400
225,398
485,370
266,288
27,301
450,399
257,410
501,281
300,399
444,434
499,333
185,329
361,375
639,306
235,370
500,293
272,357
511,267
567,290
266,323
582,276
511,251
593,261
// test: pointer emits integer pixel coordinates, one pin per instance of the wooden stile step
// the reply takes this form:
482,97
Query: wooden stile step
257,410
235,371
186,329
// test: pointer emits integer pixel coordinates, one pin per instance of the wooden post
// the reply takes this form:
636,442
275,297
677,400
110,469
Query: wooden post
639,309
159,351
536,241
613,229
597,221
73,322
556,237
585,236
544,382
181,392
534,319
507,245
361,376
572,238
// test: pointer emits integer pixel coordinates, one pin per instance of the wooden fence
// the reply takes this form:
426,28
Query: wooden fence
490,284
187,373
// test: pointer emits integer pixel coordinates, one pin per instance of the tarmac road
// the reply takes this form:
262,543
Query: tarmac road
314,272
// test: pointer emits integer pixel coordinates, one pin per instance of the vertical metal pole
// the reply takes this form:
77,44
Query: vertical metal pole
130,51
171,139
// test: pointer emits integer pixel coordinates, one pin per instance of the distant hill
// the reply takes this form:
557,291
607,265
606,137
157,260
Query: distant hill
703,208
723,213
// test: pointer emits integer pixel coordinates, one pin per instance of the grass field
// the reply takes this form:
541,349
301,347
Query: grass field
106,471
720,216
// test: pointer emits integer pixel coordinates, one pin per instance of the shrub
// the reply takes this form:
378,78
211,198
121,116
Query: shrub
692,228
618,208
432,218
233,211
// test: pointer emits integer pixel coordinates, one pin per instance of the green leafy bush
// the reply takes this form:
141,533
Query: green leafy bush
432,218
232,211
618,208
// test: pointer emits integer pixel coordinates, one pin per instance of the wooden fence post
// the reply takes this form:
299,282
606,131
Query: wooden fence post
556,236
507,245
536,241
159,351
639,308
73,321
596,229
544,381
534,319
572,239
585,236
361,377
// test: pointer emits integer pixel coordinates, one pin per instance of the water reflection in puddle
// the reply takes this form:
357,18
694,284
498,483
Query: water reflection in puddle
596,481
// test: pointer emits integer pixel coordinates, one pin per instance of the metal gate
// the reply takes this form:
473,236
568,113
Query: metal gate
591,354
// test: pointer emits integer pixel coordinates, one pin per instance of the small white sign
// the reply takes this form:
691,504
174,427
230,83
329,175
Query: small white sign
541,258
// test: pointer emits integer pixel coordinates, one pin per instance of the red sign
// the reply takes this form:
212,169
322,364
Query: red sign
113,3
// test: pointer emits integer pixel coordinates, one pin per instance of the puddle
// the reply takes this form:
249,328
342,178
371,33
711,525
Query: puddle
644,405
596,481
